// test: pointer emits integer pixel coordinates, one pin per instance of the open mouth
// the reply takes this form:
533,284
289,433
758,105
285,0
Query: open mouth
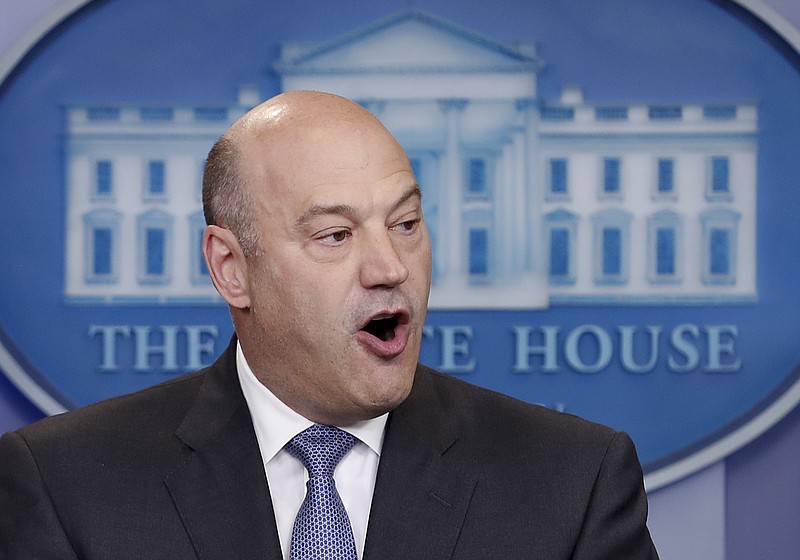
383,326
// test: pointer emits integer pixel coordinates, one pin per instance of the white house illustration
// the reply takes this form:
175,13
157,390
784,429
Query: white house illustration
530,202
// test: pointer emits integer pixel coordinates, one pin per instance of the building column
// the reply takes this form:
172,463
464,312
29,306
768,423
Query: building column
531,205
451,235
518,218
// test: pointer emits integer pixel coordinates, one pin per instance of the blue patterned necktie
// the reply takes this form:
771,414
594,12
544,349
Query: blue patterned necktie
322,529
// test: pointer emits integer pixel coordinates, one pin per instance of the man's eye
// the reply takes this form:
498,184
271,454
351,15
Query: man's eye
407,226
337,236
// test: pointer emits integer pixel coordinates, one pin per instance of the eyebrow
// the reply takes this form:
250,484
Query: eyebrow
346,210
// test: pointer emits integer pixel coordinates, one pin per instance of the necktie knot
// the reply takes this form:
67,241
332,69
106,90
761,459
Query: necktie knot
320,448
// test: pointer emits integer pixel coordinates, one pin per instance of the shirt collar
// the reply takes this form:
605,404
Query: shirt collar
276,423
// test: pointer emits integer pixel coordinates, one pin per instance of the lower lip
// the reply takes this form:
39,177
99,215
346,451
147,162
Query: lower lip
386,349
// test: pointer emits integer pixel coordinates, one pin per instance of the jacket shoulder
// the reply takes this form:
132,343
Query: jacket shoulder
482,410
154,411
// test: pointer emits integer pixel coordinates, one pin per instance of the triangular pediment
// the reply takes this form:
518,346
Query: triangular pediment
411,41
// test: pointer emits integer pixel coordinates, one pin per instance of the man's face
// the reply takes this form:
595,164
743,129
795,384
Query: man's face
340,288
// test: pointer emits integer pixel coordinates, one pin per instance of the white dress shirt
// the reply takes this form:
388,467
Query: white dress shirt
275,424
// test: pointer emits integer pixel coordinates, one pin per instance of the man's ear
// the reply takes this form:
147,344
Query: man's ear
226,266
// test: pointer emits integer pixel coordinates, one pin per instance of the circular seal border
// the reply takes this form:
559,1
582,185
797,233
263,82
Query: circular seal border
672,468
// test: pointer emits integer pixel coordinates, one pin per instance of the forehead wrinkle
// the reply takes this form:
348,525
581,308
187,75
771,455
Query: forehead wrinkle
318,210
348,211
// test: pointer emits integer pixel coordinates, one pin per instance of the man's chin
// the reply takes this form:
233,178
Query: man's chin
390,400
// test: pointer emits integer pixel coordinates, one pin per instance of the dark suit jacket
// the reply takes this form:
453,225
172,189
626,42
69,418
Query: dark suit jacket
174,472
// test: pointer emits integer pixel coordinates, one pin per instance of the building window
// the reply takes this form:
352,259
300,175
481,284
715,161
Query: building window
665,253
211,114
611,113
100,251
561,233
719,181
103,238
197,264
665,112
611,241
558,177
156,239
719,175
719,112
156,182
557,113
611,176
104,179
156,114
665,184
478,252
202,269
476,173
719,252
612,251
720,248
154,233
103,113
559,252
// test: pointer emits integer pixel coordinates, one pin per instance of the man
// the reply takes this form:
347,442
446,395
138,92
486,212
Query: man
317,242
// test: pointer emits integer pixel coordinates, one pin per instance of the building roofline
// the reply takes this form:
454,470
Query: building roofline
524,59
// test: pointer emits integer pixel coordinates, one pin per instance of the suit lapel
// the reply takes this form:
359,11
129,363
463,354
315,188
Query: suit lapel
220,490
420,499
221,493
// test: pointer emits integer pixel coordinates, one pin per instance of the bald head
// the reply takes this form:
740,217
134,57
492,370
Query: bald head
273,142
302,111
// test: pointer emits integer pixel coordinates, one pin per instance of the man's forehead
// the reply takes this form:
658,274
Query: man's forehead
321,150
357,204
304,117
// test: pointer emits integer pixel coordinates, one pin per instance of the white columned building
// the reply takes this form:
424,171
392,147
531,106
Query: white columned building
530,202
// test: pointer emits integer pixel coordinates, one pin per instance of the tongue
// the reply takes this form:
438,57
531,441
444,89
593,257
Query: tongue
381,328
387,335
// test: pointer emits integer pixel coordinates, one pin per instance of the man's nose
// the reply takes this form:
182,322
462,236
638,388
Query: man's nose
382,265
